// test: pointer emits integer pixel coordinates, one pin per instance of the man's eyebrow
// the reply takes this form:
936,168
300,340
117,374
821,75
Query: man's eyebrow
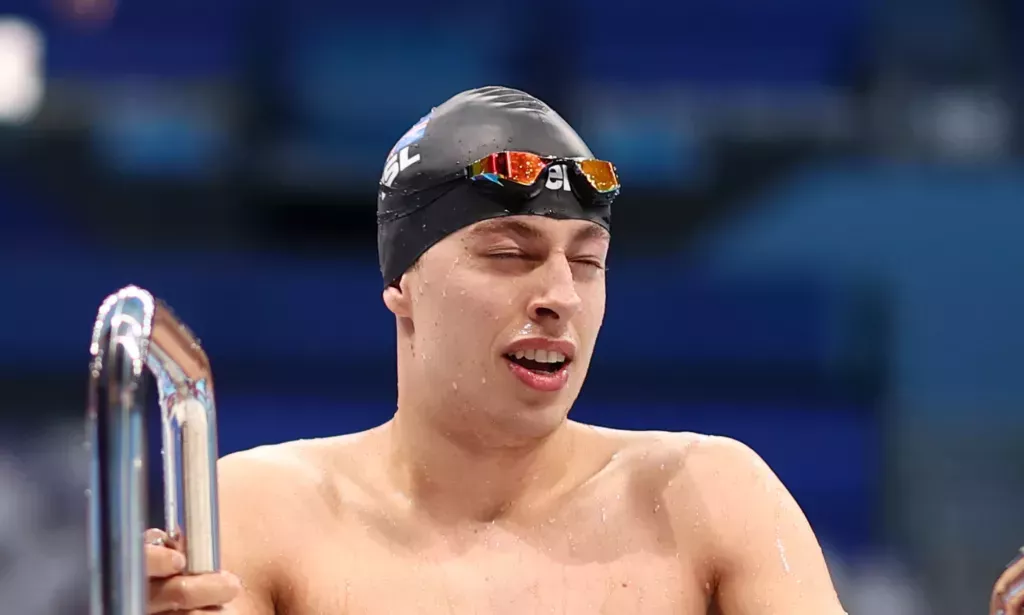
528,232
508,227
590,231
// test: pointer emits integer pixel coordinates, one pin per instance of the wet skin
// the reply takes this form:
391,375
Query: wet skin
480,496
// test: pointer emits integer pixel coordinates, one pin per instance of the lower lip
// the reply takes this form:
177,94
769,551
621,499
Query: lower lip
541,381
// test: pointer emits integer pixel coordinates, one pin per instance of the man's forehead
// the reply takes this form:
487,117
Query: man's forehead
537,227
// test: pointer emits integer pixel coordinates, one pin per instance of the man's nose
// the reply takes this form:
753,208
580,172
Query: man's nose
556,300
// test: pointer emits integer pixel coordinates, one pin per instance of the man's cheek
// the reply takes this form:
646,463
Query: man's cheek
483,311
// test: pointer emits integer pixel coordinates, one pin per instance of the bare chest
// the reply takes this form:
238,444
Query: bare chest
504,573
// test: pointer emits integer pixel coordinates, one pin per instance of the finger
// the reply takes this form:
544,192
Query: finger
190,592
1013,572
1013,599
995,606
154,533
163,562
155,536
1008,592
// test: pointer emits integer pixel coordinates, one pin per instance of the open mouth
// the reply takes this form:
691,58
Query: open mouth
540,361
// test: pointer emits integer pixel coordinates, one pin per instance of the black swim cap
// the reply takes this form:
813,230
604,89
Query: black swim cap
418,203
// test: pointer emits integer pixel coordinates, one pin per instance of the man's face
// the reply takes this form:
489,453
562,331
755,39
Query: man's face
503,317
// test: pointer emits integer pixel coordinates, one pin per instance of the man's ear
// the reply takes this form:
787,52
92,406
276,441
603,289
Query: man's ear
396,297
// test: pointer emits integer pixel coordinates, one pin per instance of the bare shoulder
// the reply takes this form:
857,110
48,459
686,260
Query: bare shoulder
734,508
254,475
736,512
284,480
712,459
731,480
272,499
697,457
263,492
705,481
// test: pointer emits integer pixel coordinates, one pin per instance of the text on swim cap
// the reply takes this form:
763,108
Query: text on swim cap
396,163
558,177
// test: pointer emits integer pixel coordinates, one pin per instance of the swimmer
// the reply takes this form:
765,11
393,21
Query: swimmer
479,495
1008,593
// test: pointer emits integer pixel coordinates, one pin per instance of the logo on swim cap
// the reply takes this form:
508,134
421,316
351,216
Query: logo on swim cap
558,178
413,135
396,164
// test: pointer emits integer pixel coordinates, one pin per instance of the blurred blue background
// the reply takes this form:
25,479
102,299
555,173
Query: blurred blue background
817,249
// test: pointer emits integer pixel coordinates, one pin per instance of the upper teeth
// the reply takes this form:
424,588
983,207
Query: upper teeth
540,356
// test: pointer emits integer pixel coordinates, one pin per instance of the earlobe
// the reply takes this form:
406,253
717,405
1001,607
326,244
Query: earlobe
397,299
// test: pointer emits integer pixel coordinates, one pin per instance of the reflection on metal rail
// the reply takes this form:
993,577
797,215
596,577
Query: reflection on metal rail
135,332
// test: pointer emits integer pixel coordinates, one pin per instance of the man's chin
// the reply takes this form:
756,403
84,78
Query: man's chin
534,425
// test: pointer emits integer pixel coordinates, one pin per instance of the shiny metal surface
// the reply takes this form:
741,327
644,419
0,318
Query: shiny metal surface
135,333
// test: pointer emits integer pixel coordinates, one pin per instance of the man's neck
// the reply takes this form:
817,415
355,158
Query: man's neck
457,477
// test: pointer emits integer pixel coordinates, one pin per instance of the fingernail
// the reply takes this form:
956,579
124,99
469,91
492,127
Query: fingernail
178,561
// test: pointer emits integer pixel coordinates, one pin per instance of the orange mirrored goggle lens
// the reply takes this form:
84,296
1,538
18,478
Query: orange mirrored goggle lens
518,167
524,168
600,174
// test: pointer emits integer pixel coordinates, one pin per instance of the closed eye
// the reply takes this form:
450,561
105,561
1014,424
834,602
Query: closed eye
590,262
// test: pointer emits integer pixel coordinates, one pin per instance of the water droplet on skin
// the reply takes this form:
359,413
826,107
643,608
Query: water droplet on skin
444,291
782,554
604,515
455,386
662,466
657,507
483,381
526,330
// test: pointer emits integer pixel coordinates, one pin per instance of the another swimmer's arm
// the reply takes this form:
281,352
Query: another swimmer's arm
245,534
768,560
